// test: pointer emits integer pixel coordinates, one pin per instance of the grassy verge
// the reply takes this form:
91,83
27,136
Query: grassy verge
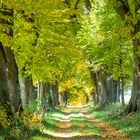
129,124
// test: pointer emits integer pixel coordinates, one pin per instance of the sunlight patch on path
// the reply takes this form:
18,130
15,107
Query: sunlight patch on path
63,135
78,124
64,125
72,124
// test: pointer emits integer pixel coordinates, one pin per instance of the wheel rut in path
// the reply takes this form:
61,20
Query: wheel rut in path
80,125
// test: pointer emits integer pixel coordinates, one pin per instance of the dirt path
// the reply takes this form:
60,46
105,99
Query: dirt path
78,124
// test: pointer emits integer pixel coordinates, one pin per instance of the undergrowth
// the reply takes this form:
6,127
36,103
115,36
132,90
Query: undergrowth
19,127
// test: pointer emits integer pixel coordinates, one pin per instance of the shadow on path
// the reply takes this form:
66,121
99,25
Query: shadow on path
78,124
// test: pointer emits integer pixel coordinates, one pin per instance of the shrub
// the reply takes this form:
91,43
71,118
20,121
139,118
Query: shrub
31,119
4,118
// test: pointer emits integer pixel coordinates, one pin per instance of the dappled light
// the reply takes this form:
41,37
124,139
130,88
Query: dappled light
77,122
69,70
72,124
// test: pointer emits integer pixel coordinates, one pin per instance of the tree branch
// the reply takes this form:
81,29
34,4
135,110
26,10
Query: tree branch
87,4
123,8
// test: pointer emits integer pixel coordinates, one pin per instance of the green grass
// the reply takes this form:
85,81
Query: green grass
129,124
87,130
76,118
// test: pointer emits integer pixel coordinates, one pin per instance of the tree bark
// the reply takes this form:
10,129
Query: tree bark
13,83
134,104
106,91
63,98
11,68
55,94
114,91
26,87
50,103
43,96
112,87
94,79
118,91
4,92
124,11
122,92
103,88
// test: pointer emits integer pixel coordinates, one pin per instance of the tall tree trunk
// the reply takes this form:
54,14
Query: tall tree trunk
30,89
54,94
103,88
50,103
124,10
12,70
13,83
122,91
26,87
114,91
134,104
38,90
118,90
43,96
22,82
94,79
4,91
106,87
63,98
